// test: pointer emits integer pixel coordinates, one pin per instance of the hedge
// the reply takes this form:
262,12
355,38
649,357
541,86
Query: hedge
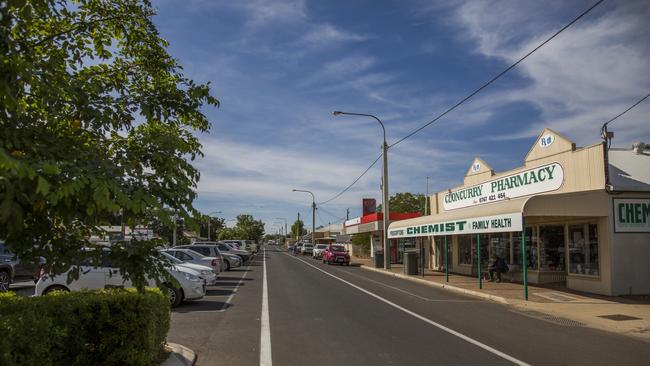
106,327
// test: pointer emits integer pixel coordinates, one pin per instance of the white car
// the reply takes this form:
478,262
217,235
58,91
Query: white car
190,256
204,272
317,253
192,286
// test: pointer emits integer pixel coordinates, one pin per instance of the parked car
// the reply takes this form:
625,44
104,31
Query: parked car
228,248
297,249
290,247
317,253
13,269
211,249
307,249
237,244
204,272
91,277
188,255
252,246
336,254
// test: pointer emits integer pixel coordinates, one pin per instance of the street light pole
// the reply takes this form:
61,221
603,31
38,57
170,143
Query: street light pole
285,228
384,185
313,214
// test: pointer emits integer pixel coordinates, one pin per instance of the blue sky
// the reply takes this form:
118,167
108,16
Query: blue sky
281,67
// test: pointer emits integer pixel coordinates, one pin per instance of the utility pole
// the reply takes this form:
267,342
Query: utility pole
298,231
313,214
384,185
426,199
347,214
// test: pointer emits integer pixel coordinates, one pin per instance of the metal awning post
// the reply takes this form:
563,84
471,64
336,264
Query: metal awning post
524,264
446,261
478,249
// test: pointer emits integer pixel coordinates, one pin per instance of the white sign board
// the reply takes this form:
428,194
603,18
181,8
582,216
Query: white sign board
631,215
352,222
477,225
544,178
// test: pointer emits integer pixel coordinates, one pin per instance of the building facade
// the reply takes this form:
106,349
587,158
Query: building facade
576,216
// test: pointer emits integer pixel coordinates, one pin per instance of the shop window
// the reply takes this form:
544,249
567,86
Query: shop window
465,249
583,249
531,248
500,246
485,249
551,247
440,252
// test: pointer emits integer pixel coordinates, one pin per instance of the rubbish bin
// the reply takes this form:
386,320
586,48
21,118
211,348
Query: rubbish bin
379,259
411,262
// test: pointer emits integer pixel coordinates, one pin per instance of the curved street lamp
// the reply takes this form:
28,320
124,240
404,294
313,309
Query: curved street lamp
384,184
313,214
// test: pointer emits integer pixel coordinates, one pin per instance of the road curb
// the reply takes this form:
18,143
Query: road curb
494,298
180,356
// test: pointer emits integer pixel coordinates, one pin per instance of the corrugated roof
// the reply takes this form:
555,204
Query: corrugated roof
629,171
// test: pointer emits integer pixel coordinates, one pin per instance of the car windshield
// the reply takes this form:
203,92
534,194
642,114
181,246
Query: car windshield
171,258
321,246
337,248
193,253
308,246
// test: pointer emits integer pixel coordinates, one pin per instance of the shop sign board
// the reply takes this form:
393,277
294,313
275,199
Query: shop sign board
541,179
477,225
352,222
631,215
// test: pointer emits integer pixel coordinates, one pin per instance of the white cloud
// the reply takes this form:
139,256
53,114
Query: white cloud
328,34
583,77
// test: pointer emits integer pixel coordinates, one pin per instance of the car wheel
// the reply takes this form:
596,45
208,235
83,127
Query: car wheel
55,288
227,266
175,295
5,281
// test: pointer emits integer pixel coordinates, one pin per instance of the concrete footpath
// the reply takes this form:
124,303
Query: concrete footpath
623,315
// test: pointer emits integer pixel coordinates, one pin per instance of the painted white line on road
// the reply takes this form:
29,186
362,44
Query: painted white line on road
424,319
234,291
265,329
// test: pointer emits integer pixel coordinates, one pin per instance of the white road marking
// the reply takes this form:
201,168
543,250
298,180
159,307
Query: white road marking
265,330
424,319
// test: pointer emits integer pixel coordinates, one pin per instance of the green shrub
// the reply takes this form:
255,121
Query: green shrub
106,327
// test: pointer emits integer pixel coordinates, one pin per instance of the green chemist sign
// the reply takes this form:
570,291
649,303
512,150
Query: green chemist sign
631,215
474,225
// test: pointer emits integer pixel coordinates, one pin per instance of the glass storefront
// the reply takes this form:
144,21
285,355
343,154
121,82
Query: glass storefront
551,247
439,259
531,248
583,249
500,245
465,249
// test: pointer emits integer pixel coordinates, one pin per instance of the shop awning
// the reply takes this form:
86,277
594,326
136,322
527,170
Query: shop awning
504,216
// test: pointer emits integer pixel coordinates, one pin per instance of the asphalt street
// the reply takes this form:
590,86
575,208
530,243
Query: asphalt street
335,315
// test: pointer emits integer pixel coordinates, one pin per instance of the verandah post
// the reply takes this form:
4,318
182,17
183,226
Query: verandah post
524,264
446,261
478,250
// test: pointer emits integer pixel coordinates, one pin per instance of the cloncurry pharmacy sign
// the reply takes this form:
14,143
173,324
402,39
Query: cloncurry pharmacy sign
544,178
631,215
476,225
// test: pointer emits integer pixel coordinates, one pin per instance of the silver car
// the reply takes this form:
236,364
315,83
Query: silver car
211,249
205,273
227,248
317,253
190,256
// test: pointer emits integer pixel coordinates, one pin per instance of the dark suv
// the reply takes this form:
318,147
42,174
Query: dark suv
12,269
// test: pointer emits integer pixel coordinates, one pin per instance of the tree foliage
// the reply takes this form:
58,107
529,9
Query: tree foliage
298,228
247,228
406,202
96,120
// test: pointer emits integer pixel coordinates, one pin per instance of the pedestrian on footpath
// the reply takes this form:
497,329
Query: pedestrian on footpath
497,265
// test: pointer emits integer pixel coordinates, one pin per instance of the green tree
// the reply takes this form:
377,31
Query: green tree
96,120
406,202
298,228
362,241
227,233
247,228
216,224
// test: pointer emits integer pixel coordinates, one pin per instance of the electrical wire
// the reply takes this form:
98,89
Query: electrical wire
351,184
485,85
603,130
331,214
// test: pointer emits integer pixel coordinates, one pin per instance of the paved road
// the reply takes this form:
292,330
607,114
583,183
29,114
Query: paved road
333,315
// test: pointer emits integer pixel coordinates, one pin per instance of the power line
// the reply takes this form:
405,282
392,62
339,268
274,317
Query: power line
627,110
497,76
331,214
351,184
603,130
